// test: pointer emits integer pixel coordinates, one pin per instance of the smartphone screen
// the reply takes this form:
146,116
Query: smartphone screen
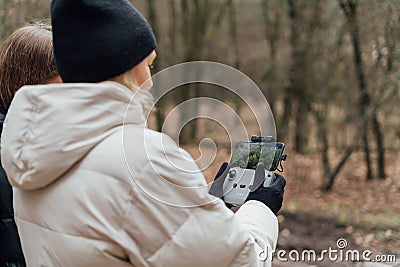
248,154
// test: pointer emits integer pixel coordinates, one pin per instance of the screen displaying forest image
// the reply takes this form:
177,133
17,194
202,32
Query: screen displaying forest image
247,155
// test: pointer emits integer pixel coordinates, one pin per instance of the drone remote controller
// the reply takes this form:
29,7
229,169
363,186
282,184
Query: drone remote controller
250,167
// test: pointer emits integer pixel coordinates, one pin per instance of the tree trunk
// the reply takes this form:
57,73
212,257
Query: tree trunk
192,46
233,33
237,104
172,32
350,10
4,25
346,156
296,93
321,118
151,9
272,27
287,100
200,20
380,146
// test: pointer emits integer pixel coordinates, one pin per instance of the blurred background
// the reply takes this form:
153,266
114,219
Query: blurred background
330,72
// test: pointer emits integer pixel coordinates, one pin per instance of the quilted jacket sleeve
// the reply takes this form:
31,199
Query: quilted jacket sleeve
214,236
211,235
198,229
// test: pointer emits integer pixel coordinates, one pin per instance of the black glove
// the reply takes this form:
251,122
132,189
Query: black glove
221,170
271,196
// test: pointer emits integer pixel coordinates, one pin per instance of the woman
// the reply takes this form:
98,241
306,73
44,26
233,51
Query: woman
93,185
26,57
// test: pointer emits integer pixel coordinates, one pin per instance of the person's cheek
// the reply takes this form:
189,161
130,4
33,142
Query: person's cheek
149,81
146,82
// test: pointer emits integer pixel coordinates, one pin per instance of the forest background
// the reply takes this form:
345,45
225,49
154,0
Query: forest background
330,72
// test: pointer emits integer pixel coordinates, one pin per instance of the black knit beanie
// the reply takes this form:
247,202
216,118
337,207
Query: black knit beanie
98,39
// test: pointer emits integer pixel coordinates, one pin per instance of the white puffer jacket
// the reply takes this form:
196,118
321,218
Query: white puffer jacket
94,187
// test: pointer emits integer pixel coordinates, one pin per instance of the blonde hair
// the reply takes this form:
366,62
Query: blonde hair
145,97
26,58
127,79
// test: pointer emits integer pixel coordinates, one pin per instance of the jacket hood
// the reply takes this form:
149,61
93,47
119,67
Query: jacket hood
49,128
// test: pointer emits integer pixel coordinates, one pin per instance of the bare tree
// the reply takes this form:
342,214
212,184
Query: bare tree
152,15
272,21
298,95
4,9
200,20
349,9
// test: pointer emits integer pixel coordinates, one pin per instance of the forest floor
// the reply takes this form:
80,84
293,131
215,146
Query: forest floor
365,213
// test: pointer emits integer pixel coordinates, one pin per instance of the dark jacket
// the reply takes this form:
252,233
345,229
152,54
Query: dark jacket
10,245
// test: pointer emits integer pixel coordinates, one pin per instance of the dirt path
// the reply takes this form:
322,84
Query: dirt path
304,232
